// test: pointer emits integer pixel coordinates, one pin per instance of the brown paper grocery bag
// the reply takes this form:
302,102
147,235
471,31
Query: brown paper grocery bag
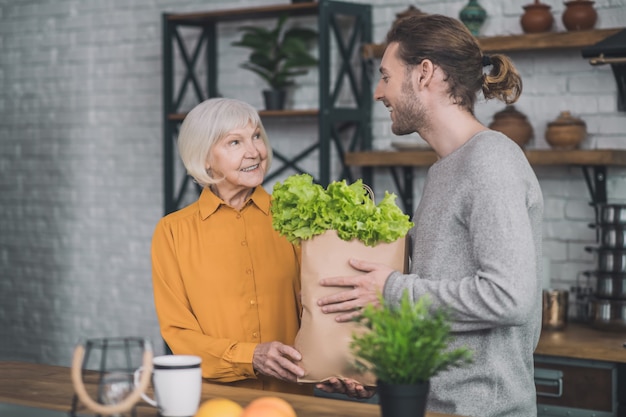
323,342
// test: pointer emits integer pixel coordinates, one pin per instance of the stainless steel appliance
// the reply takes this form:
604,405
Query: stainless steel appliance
608,304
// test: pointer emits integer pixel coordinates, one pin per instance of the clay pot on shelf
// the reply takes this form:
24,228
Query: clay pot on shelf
514,124
537,18
566,131
579,15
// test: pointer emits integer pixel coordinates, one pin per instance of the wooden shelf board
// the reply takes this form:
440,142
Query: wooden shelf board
373,50
176,117
179,117
289,113
583,342
542,41
535,157
525,42
615,157
390,158
295,9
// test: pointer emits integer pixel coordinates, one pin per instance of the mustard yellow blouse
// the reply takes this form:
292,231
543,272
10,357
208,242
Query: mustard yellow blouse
224,280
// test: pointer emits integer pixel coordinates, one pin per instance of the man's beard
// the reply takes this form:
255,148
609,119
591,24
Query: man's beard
410,114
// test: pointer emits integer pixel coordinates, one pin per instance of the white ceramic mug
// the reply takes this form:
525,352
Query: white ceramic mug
177,381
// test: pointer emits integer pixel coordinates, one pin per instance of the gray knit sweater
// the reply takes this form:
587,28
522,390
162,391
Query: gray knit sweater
476,248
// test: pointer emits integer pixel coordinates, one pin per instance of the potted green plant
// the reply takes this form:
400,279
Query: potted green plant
404,347
277,56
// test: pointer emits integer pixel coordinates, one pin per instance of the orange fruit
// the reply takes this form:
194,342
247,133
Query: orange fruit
219,407
268,407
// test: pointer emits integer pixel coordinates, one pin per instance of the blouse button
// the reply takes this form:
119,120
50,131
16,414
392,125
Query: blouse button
244,243
252,302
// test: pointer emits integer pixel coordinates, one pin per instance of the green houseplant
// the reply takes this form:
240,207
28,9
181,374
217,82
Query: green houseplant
277,55
405,346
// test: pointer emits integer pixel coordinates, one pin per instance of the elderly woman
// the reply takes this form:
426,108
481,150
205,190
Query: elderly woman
226,285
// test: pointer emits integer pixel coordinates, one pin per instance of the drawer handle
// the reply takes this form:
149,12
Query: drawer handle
549,378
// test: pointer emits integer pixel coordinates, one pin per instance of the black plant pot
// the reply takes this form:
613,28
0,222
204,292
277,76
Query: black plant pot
274,99
400,400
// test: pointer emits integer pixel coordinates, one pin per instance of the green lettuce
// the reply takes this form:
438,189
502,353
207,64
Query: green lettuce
302,209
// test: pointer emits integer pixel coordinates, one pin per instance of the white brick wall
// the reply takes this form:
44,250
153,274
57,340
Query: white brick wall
80,155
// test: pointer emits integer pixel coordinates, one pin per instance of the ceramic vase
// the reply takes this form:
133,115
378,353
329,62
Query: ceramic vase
513,124
579,15
536,18
473,16
403,400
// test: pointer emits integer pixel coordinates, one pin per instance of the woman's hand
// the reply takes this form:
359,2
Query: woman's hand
363,290
277,360
346,386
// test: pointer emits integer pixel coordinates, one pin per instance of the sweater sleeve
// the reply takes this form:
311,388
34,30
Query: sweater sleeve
223,360
486,267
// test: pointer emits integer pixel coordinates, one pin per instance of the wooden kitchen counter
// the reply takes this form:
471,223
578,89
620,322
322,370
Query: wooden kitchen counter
581,341
50,387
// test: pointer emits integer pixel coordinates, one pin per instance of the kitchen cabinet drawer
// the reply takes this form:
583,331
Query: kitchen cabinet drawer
575,388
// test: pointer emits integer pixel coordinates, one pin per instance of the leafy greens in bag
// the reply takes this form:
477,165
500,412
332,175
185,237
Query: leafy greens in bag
302,209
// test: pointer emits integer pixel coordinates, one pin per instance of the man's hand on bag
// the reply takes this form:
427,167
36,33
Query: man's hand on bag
361,290
346,386
277,360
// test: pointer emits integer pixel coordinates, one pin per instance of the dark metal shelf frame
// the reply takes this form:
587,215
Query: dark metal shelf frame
346,129
401,165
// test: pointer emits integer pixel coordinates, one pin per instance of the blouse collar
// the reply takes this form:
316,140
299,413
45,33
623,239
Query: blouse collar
209,202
